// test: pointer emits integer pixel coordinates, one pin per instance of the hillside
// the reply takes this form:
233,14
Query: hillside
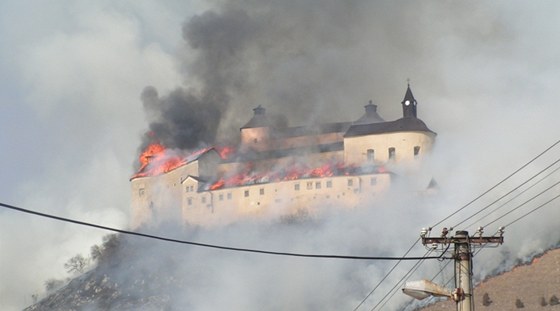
119,283
533,285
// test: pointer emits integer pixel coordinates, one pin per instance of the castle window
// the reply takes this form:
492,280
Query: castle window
187,189
246,193
296,187
261,191
309,185
350,182
141,192
221,197
192,188
392,153
203,200
229,196
370,155
373,181
329,183
416,151
318,185
189,201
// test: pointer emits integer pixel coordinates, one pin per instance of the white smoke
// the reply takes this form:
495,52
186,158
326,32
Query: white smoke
484,75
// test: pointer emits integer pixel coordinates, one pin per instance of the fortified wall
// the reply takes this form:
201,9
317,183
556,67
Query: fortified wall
281,171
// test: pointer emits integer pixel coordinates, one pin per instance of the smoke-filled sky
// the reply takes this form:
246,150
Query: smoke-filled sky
81,83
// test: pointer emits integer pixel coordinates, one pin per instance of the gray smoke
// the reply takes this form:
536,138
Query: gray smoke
308,60
187,118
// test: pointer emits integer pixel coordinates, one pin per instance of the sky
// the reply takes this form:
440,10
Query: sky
73,104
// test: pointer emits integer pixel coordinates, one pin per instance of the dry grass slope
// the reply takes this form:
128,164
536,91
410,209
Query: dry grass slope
534,286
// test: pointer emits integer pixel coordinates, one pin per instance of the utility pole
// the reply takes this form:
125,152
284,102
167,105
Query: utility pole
463,293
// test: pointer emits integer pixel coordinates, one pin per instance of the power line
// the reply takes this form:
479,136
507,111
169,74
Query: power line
524,215
386,276
459,210
512,190
407,276
508,201
236,249
498,184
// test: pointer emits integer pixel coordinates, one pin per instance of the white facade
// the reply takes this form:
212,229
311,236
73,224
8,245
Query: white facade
359,151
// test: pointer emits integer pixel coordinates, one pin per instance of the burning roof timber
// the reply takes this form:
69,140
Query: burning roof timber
345,163
283,142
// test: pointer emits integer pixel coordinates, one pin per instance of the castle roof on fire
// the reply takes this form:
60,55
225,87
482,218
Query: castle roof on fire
345,163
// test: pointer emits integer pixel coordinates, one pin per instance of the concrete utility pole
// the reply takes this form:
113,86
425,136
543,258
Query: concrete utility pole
463,293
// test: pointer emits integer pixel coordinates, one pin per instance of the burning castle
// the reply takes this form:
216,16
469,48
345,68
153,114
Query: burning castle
279,170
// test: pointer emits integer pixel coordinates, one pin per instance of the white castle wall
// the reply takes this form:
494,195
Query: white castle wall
228,205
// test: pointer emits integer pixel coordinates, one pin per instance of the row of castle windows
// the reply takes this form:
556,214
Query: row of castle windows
391,152
309,186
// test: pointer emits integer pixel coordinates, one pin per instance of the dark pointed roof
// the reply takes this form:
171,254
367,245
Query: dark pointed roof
433,184
408,96
259,118
407,124
370,116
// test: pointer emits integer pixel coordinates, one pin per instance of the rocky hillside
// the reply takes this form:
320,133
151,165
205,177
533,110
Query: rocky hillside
535,286
119,283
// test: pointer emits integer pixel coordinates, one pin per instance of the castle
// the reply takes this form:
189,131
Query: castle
281,170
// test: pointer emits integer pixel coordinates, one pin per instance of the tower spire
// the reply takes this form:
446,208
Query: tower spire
409,102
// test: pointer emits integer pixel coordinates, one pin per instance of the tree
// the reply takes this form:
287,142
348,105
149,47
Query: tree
53,284
519,304
554,300
486,301
77,264
543,302
96,252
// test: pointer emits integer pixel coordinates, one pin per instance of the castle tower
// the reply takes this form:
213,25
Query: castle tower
255,134
409,104
370,115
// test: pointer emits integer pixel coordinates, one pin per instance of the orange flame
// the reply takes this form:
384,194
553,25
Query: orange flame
249,176
225,151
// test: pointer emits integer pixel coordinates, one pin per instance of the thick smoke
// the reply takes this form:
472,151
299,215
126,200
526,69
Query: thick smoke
310,61
187,118
319,61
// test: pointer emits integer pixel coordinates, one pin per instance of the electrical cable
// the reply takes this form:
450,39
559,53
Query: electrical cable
508,201
498,184
508,193
465,206
403,280
386,276
531,211
236,249
459,210
529,200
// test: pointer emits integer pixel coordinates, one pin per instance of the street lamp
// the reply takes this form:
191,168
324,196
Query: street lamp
423,289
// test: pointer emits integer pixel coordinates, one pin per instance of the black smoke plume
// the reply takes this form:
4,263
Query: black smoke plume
312,61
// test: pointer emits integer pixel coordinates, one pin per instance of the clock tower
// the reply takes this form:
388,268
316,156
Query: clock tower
409,104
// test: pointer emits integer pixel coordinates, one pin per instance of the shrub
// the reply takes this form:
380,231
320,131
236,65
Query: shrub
486,301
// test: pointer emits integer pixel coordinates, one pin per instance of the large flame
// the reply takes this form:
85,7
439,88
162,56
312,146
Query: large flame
225,151
248,175
156,159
